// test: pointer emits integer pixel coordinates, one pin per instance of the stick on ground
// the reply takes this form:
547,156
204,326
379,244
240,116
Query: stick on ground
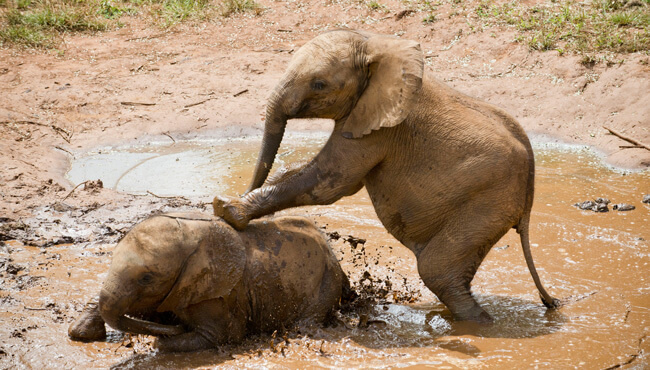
627,138
75,188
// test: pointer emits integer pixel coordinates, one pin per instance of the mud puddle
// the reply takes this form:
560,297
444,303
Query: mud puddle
596,262
188,168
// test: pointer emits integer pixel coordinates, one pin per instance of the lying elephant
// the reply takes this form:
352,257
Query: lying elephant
221,284
448,174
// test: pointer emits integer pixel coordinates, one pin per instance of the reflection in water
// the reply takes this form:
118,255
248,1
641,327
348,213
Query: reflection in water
397,327
423,325
599,263
193,168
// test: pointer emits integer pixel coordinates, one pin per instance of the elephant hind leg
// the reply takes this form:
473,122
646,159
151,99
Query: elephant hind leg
453,289
447,265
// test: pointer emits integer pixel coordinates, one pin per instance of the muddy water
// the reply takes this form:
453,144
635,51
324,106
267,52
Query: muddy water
598,263
190,168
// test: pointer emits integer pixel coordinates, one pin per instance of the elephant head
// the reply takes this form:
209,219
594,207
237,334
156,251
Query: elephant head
169,262
361,80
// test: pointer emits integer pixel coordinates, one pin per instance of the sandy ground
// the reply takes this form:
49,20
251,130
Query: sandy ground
140,83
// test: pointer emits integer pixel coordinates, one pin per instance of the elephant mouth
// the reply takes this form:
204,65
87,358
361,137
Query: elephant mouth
134,325
149,323
301,111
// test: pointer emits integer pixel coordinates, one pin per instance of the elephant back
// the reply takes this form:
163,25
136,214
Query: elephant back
291,272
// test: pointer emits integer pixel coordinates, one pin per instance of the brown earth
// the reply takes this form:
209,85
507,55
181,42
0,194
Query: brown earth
54,105
140,83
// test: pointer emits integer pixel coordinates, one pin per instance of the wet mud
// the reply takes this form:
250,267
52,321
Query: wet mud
597,263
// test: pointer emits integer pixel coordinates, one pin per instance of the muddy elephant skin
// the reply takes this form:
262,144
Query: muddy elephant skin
219,283
448,174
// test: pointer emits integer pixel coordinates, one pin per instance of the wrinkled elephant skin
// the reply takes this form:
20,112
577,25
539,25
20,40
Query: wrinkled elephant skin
448,174
219,283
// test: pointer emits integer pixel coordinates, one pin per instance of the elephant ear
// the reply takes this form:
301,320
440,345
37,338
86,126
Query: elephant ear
211,271
395,68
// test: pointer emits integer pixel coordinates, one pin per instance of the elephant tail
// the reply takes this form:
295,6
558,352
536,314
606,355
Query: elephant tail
523,227
548,301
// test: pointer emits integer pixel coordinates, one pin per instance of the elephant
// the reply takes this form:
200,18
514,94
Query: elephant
447,174
219,284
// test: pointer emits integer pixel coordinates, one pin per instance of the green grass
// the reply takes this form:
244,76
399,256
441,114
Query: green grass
568,25
230,7
25,36
110,10
43,23
37,24
61,19
429,19
580,26
174,11
374,5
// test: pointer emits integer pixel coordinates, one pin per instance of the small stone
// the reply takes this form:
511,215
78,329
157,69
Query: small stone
603,200
646,199
600,207
586,205
94,186
62,207
623,207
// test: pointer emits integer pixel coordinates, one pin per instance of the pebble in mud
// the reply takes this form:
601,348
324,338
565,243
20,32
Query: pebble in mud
623,207
586,205
646,199
599,205
602,201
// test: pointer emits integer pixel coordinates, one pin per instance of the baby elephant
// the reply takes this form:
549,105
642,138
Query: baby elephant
219,283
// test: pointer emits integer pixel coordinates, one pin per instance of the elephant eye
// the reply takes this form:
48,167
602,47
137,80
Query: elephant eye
318,85
145,279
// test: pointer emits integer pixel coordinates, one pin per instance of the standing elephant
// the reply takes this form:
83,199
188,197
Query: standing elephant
220,284
448,174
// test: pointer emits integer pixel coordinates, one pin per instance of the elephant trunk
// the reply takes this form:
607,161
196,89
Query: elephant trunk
276,122
114,307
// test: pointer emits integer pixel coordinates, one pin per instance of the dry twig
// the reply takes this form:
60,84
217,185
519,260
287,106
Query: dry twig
627,138
197,103
64,150
241,92
169,197
36,308
169,136
57,129
75,188
147,37
133,103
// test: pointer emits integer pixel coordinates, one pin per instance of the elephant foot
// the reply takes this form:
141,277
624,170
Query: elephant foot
89,326
555,303
477,315
232,211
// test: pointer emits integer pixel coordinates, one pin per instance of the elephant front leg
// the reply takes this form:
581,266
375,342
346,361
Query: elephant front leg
186,342
337,171
90,325
207,332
